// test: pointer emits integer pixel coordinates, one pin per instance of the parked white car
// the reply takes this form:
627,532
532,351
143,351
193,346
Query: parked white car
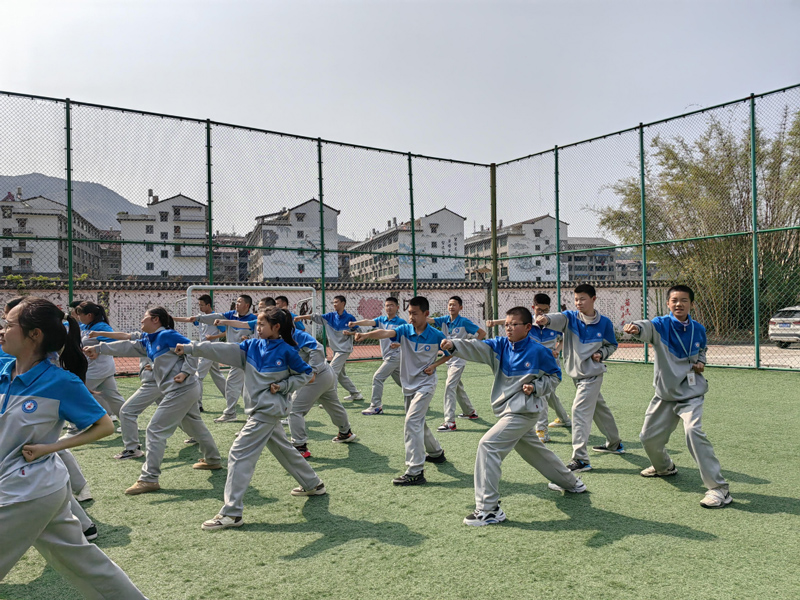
784,327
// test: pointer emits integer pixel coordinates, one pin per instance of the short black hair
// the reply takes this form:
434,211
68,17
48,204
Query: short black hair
586,288
205,298
421,302
341,299
541,299
681,288
283,299
457,299
393,299
75,303
522,313
268,301
246,298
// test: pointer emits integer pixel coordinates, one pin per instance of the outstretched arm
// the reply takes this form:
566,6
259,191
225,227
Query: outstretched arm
227,353
184,319
232,323
376,334
113,335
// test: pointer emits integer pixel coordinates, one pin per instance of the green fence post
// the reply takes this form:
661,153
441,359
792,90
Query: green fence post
493,192
754,184
644,231
321,238
208,208
413,228
558,235
70,268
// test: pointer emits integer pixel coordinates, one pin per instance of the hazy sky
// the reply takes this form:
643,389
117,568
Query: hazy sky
482,81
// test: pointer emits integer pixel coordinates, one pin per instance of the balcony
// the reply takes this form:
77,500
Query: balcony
191,235
190,253
21,250
191,218
22,230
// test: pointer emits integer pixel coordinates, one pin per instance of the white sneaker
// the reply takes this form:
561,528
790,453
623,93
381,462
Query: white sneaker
544,436
118,429
223,418
284,421
114,418
222,522
651,471
579,488
84,495
353,397
560,423
716,498
480,518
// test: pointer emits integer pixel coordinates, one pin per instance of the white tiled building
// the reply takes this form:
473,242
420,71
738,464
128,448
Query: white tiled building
176,219
296,229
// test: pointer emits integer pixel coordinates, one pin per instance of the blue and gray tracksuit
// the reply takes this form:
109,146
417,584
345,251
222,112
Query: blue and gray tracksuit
549,339
341,345
101,371
583,337
205,366
679,395
390,367
264,362
514,364
455,329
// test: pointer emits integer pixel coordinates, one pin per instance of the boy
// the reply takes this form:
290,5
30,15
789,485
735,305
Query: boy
389,351
456,327
679,343
336,324
588,340
283,302
419,345
235,382
553,341
525,373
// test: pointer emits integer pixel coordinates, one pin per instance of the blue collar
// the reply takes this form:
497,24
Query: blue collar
28,377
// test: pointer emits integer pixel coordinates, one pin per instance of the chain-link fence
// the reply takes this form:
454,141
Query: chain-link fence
129,208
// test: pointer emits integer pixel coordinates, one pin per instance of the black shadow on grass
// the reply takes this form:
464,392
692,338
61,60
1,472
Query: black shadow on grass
609,527
47,586
763,504
336,530
112,536
360,459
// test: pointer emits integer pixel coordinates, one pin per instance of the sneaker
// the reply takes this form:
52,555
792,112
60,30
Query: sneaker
284,422
356,396
559,423
472,416
345,438
190,441
620,449
222,522
651,471
406,479
143,487
579,488
373,410
119,429
303,450
91,533
716,498
544,436
200,406
202,465
223,418
85,494
578,466
436,459
114,418
485,517
317,491
126,454
447,426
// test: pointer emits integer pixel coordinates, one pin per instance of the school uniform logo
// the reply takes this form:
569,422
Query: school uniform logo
697,344
599,335
158,347
29,406
278,363
427,348
527,365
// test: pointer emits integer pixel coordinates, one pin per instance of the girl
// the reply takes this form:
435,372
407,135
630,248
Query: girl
34,483
273,370
177,381
100,376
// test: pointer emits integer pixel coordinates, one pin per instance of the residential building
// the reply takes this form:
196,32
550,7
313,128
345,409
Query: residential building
594,265
110,254
230,259
345,243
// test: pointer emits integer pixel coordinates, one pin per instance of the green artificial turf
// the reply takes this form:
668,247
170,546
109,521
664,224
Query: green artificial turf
629,537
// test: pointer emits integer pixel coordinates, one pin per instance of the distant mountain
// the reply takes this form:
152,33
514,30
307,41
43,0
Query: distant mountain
93,201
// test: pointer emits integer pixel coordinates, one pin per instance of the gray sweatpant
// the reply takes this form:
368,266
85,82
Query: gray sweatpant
338,365
177,409
48,524
514,432
323,390
245,453
206,366
388,368
418,437
108,394
454,391
554,403
661,419
589,405
233,390
79,513
147,394
76,479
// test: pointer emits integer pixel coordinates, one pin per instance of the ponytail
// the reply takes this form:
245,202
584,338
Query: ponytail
72,357
164,318
283,318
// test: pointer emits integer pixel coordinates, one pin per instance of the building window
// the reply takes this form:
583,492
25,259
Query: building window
25,263
148,229
6,231
164,216
547,258
547,242
547,272
538,247
177,250
538,263
176,230
434,259
299,234
22,223
176,212
434,276
23,244
537,232
538,279
434,227
300,216
433,244
7,212
148,266
7,252
165,254
148,247
301,267
165,273
7,270
165,235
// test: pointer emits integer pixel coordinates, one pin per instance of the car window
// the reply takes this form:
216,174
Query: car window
787,314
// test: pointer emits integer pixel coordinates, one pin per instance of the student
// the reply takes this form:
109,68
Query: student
265,303
525,373
207,333
336,324
283,302
273,370
235,381
389,351
553,341
456,327
679,343
177,380
588,340
419,345
321,389
100,376
35,494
